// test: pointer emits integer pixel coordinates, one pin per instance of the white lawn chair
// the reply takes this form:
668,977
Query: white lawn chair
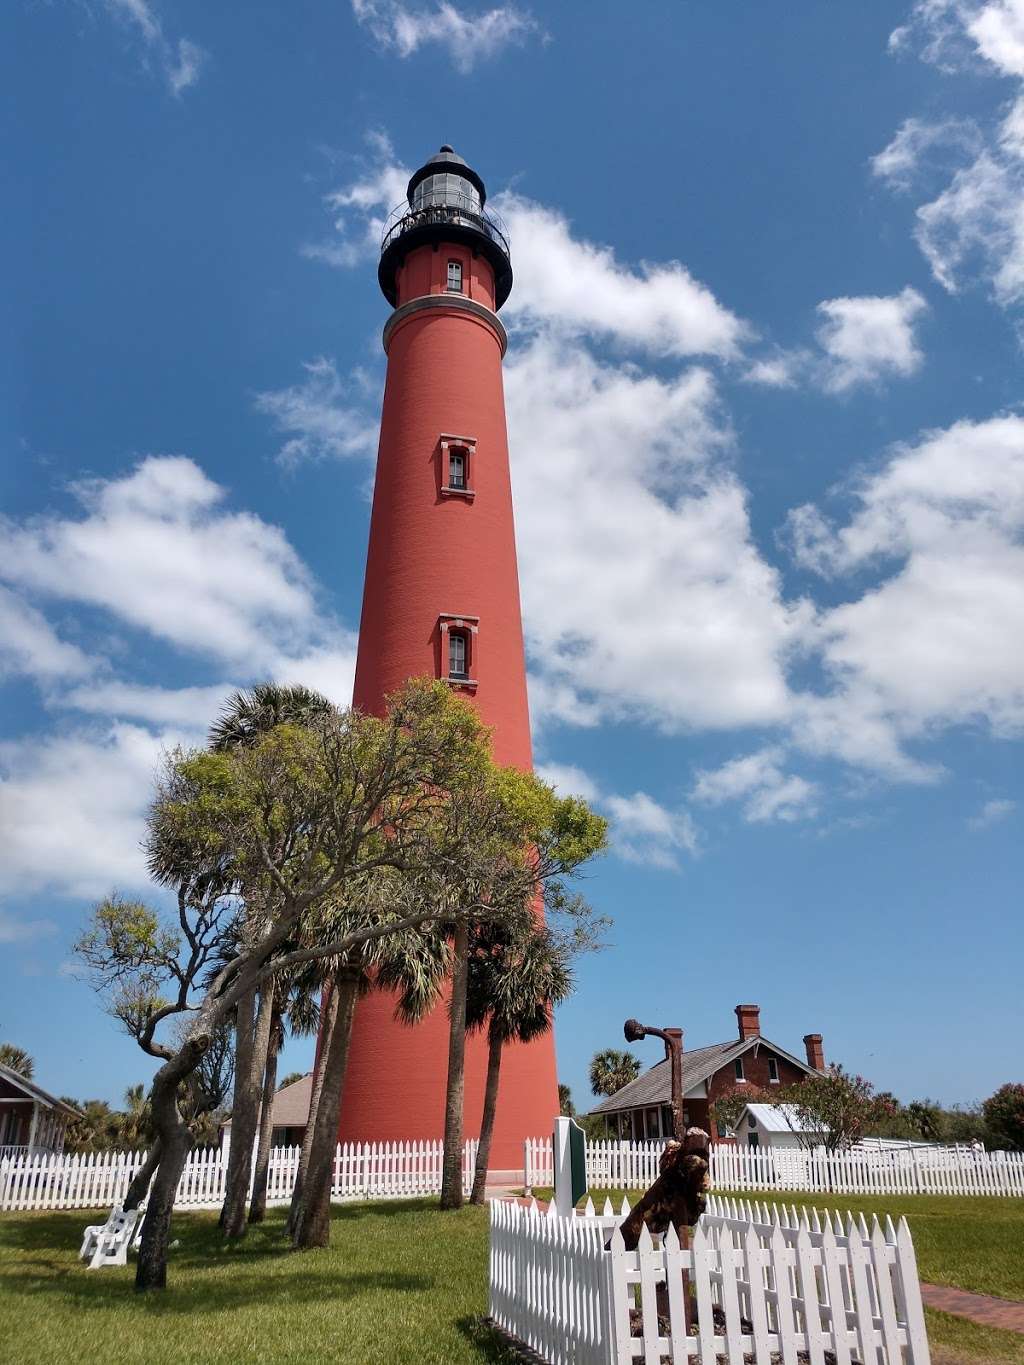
112,1242
93,1233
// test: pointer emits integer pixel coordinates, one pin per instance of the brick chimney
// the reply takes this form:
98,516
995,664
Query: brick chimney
749,1017
815,1051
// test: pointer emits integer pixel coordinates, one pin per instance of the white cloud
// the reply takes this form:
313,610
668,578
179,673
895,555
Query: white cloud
14,930
576,287
29,644
568,780
642,830
869,337
940,640
318,417
779,369
467,37
954,34
920,145
191,707
974,228
991,813
158,550
759,781
72,809
651,599
180,62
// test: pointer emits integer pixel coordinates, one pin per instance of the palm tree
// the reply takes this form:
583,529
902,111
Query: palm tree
291,1078
296,1007
414,965
133,1122
248,715
565,1104
17,1059
611,1069
515,981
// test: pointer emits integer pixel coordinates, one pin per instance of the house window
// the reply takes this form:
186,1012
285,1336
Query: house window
773,1071
458,655
738,1065
723,1129
454,277
457,469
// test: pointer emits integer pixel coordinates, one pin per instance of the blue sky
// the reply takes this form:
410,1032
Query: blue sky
763,390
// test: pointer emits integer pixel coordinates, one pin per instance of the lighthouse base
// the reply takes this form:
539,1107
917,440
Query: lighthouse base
397,1074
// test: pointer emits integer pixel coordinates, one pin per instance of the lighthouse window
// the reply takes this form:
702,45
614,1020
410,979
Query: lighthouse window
454,277
457,469
457,654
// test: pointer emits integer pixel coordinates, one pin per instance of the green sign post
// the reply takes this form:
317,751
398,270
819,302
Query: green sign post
569,1148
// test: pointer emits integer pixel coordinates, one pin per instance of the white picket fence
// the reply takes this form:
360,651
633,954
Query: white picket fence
911,1170
765,1281
385,1170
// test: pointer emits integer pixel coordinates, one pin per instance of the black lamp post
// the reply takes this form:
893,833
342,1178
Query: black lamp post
673,1040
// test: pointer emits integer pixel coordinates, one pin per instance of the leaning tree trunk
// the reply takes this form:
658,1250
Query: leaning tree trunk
451,1165
312,1224
328,1022
246,1118
241,1142
258,1203
495,1044
175,1142
139,1186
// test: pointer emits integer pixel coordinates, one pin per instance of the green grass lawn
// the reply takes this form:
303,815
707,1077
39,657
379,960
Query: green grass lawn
973,1244
400,1282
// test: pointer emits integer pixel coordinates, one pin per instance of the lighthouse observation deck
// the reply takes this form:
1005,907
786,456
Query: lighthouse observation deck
445,202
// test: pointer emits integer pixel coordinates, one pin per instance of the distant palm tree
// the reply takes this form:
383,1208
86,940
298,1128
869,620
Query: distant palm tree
291,1078
565,1105
248,715
610,1070
17,1059
515,981
133,1122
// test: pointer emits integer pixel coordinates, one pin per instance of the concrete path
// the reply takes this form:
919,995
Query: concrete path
980,1308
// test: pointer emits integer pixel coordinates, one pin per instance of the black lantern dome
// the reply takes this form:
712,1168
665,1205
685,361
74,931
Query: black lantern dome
446,201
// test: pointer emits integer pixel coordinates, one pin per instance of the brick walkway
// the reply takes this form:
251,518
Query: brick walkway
980,1308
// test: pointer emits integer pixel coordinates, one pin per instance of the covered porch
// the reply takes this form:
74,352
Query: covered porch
30,1119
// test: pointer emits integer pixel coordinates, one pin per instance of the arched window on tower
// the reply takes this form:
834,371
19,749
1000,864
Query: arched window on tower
456,456
457,660
458,655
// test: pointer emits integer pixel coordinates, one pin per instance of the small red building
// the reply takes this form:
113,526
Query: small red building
642,1109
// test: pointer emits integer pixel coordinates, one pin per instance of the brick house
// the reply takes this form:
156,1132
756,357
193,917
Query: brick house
642,1109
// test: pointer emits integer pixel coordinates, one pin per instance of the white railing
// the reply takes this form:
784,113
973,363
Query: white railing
384,1170
764,1283
910,1170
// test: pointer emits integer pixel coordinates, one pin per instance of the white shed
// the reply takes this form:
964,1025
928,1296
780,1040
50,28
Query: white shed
772,1125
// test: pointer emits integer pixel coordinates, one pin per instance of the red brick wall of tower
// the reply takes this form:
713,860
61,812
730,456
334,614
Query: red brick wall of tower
431,555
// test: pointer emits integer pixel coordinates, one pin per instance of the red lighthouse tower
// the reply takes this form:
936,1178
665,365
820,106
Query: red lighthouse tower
442,599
